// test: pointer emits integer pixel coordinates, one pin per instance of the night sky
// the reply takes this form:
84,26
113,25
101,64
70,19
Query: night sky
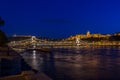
60,18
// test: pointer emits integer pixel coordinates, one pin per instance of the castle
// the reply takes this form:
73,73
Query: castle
89,35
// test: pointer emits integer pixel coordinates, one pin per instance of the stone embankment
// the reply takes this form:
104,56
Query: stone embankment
13,67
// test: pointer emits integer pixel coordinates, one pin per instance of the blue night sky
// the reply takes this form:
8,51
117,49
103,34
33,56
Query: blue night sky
60,18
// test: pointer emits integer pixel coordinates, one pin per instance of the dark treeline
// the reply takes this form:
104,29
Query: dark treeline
3,37
115,37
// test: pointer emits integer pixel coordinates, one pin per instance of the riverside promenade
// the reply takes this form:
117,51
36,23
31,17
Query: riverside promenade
13,67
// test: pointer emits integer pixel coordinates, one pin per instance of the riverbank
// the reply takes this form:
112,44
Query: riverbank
105,43
13,67
27,75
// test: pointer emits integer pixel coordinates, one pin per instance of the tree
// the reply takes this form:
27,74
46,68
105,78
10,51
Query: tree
1,22
3,38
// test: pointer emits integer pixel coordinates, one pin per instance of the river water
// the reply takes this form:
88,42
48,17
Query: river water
80,63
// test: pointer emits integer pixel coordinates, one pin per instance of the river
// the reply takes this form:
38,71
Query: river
80,63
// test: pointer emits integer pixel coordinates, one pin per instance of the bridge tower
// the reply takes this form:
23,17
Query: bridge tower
78,41
33,41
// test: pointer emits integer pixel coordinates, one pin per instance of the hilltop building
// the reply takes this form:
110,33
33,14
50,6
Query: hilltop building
89,35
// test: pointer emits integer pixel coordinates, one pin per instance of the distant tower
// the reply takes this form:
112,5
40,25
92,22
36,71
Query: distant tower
88,34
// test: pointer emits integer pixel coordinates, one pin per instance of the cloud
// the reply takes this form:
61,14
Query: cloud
56,20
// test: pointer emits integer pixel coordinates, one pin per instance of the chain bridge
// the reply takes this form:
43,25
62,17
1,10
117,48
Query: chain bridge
35,42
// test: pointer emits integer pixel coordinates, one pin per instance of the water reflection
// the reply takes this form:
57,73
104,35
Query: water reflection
35,61
81,63
34,54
